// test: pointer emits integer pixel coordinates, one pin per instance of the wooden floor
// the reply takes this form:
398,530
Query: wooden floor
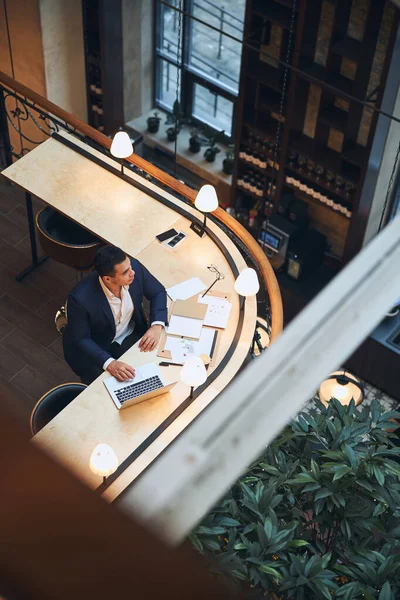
31,359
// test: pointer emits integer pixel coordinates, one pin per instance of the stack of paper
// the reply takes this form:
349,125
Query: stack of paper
218,311
186,289
182,348
187,318
185,326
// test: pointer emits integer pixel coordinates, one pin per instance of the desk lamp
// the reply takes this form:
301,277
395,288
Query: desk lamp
206,201
343,386
103,461
246,284
121,147
193,373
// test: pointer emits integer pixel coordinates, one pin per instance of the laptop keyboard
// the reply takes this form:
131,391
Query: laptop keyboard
138,389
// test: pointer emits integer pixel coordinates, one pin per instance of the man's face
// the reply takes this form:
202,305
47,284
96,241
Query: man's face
123,274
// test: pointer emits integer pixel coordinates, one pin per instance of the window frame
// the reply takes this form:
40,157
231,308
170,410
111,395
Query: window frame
188,75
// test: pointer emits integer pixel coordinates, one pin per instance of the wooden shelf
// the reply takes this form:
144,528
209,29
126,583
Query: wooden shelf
288,4
355,154
261,88
310,200
322,155
268,134
267,171
334,117
306,175
264,73
348,48
277,12
343,84
248,193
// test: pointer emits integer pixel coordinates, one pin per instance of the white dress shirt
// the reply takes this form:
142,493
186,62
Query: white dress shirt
122,310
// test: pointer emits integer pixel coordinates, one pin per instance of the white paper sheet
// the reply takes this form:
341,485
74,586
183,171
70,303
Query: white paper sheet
185,326
186,289
182,348
218,311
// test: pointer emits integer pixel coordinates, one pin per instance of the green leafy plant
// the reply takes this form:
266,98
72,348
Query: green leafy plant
318,515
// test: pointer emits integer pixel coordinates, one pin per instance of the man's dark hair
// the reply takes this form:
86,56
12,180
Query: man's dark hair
106,258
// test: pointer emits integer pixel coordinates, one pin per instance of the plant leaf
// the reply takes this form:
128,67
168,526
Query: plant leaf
194,540
298,543
323,493
386,592
315,469
228,522
210,530
240,546
270,571
268,527
341,472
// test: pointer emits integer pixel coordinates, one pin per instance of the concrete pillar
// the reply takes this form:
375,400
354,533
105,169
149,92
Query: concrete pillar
137,33
384,175
63,49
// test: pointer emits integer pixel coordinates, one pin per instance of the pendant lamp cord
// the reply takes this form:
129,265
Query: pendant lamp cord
178,71
270,192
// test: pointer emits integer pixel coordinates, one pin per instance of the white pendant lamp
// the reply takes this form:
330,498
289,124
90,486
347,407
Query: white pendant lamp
246,284
121,146
103,461
193,373
206,201
343,386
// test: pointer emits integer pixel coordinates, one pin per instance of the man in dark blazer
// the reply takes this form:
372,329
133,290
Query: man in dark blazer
105,316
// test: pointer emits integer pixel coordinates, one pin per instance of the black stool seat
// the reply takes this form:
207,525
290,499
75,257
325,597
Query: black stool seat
65,241
52,403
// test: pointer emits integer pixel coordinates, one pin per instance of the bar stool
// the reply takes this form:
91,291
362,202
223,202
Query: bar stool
65,241
52,403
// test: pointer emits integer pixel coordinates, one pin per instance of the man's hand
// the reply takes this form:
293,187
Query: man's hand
121,370
151,338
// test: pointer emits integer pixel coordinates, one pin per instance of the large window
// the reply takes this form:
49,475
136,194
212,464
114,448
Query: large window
207,61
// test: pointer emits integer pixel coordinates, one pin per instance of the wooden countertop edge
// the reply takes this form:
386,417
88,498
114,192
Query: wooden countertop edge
262,261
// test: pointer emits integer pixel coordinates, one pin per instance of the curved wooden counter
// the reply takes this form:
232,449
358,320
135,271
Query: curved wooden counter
254,249
126,216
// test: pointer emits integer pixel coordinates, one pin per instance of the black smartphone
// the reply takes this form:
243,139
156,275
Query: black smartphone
178,238
166,235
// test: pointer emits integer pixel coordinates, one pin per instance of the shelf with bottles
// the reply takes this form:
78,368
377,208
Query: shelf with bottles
312,194
260,159
323,167
265,132
252,183
251,214
323,181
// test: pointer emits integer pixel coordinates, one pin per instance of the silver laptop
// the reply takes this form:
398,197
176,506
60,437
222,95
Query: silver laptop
148,383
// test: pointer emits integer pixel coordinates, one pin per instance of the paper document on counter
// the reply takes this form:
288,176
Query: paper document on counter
182,348
186,289
218,311
185,326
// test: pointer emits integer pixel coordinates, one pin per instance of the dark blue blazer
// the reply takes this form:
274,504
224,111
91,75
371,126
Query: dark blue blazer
91,326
